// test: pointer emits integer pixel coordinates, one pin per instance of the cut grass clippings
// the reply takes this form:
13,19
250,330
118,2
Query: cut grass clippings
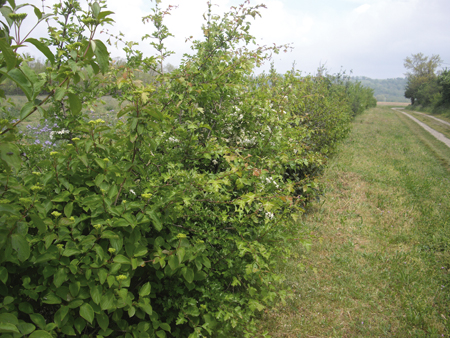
379,265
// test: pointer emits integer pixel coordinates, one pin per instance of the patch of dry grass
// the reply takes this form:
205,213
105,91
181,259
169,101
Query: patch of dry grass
396,104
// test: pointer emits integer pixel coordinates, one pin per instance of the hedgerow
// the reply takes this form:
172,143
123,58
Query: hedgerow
167,222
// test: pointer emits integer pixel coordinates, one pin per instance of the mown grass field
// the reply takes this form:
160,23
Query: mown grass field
379,265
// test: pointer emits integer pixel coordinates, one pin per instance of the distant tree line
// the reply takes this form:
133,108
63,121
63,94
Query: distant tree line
426,86
9,87
385,90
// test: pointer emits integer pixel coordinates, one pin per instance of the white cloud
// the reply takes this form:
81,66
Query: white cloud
362,9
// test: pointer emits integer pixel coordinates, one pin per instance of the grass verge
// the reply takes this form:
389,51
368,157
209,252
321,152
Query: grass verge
442,113
380,264
432,123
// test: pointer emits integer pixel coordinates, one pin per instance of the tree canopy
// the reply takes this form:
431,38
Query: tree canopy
421,76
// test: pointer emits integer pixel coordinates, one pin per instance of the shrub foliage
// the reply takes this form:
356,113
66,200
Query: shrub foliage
167,222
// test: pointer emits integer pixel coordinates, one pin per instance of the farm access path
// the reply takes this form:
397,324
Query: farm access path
433,132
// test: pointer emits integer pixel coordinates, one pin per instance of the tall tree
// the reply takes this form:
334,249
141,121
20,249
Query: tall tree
421,70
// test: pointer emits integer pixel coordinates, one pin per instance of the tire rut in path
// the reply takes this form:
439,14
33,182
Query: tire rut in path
433,132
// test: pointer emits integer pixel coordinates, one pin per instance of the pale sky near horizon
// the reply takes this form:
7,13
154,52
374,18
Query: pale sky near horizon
368,37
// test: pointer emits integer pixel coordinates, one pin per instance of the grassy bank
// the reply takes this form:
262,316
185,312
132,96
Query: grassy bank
439,112
380,261
433,123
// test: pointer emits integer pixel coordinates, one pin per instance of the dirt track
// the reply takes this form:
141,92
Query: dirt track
433,132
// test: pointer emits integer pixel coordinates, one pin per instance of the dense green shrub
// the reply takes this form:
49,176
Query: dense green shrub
169,221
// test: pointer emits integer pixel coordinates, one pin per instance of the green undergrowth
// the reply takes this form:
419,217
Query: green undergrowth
379,266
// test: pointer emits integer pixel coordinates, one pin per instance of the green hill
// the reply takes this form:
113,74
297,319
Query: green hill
385,90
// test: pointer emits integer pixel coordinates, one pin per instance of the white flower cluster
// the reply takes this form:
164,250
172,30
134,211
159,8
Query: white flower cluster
271,180
246,141
237,113
173,140
59,132
269,215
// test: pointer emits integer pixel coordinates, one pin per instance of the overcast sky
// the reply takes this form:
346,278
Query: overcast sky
369,37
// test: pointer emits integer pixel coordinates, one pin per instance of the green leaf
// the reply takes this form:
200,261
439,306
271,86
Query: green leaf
5,208
147,308
37,12
9,318
68,209
79,324
30,75
100,163
75,303
70,252
145,289
99,179
21,80
68,330
26,328
8,328
109,234
96,293
59,277
38,319
26,109
107,301
188,274
200,275
43,49
38,222
161,334
40,334
210,320
140,251
74,288
62,197
87,312
173,262
181,252
74,103
104,14
5,10
8,300
156,221
60,315
95,9
59,93
165,326
26,308
102,55
255,305
10,153
102,320
121,259
8,54
83,158
20,244
102,274
3,274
